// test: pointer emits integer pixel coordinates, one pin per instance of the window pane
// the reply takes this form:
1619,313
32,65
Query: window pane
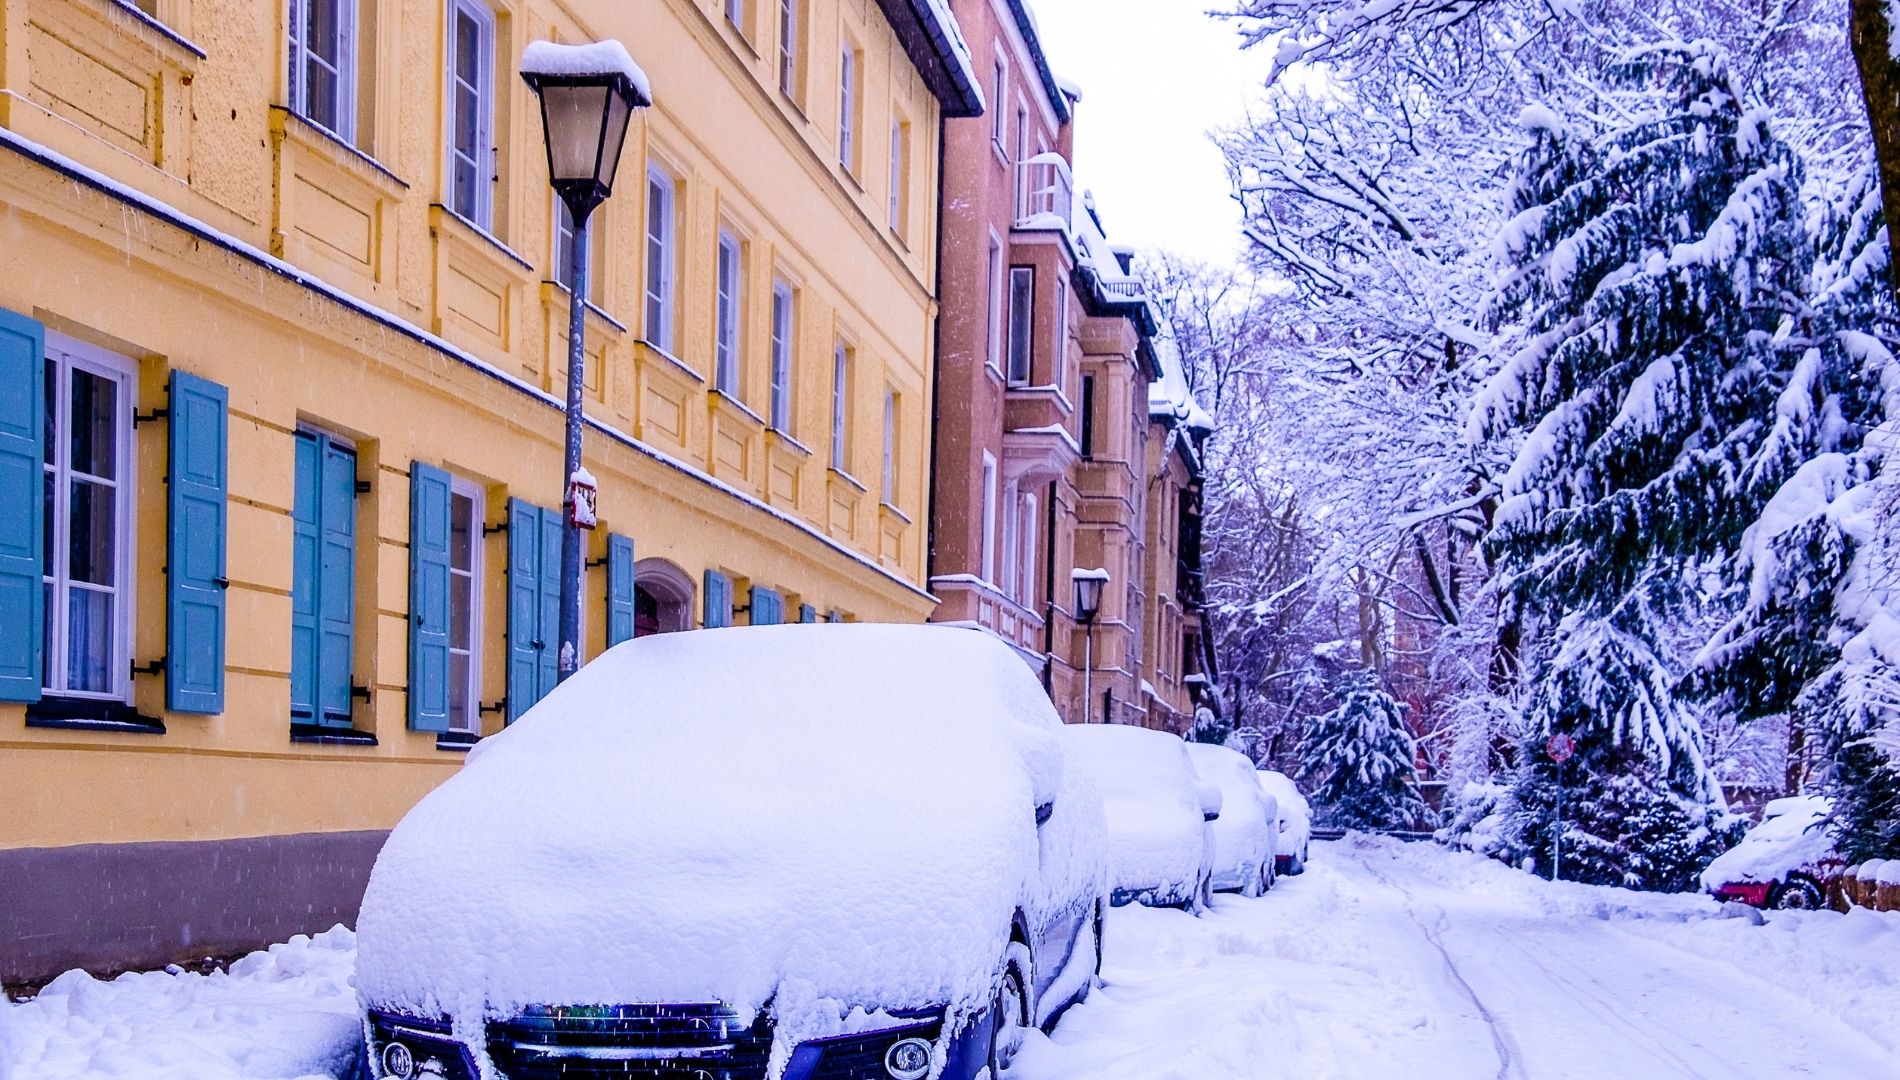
51,442
461,606
94,408
458,692
320,105
461,532
89,640
465,185
468,44
91,519
46,517
320,32
46,633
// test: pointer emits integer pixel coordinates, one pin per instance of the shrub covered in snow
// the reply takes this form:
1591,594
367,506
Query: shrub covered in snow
832,820
1362,760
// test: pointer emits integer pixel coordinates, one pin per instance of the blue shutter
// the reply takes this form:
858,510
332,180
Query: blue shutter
525,643
619,589
718,600
807,613
429,537
22,492
195,547
336,584
550,601
303,584
768,607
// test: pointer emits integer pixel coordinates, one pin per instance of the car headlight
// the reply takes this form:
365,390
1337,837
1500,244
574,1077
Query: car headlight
398,1062
908,1059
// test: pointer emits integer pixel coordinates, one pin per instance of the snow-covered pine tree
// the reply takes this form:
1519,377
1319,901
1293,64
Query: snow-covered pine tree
1362,761
1648,270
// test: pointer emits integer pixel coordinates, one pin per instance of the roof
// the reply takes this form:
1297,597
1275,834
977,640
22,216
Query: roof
1055,88
934,42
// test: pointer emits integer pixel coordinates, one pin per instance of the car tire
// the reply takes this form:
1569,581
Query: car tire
1255,885
1798,893
1009,1010
1298,865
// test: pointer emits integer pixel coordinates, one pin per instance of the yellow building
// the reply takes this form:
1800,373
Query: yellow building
266,264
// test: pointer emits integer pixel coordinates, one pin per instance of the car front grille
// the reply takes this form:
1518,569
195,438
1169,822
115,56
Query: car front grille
631,1042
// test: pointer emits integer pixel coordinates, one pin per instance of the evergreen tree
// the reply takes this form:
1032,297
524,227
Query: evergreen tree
1362,760
1649,272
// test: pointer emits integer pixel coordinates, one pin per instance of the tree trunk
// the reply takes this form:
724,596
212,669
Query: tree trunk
1880,85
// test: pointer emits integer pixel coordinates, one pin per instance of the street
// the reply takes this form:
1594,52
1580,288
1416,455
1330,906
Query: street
1391,960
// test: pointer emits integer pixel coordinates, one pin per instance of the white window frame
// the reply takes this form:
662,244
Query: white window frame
848,108
784,341
300,54
1022,155
989,517
788,48
840,384
470,722
64,354
1059,349
1012,507
997,279
890,448
483,212
999,127
900,162
1020,343
1027,533
730,299
661,257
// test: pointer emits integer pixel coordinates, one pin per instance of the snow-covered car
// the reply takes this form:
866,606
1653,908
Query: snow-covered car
1243,856
1159,814
1296,822
792,852
1784,862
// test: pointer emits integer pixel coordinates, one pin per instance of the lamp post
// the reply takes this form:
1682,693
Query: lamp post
1088,604
588,94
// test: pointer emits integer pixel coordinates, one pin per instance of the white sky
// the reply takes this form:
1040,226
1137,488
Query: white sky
1156,76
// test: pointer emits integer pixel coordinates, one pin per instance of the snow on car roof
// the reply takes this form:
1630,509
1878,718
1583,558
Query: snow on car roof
1150,797
819,816
1792,836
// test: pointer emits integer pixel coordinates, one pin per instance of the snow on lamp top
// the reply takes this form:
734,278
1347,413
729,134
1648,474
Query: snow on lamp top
604,59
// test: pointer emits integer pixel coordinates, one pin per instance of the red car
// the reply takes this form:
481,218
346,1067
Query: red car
1787,861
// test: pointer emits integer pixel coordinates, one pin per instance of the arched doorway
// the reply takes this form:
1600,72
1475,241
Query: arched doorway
662,598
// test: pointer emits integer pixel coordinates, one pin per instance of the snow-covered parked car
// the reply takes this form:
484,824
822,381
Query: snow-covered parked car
771,853
1159,814
1243,856
1784,862
1296,822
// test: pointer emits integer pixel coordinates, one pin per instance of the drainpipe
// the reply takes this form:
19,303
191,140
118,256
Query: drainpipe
1049,592
936,369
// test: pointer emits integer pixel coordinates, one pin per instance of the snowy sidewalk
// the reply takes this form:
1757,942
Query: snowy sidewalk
1389,960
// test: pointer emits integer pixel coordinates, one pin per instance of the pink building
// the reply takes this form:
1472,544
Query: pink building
1048,453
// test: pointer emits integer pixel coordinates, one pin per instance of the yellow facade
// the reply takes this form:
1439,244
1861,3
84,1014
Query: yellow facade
159,200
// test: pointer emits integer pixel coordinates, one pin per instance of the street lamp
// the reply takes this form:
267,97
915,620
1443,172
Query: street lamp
1088,604
588,94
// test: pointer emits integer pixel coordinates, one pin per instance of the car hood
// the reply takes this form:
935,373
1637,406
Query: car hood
793,830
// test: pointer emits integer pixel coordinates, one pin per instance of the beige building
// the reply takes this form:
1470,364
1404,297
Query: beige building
283,335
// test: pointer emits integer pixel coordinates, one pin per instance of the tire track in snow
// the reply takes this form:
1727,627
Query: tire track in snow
1503,1042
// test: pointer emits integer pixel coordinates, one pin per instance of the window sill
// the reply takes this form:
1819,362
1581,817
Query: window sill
460,742
1002,155
680,365
560,289
449,213
994,372
170,36
891,511
321,735
86,714
723,400
783,438
847,478
312,135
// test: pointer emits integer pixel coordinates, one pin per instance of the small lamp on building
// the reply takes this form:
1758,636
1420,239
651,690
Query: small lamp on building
588,94
1088,604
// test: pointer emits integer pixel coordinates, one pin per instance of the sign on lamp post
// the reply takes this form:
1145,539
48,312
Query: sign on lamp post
1561,748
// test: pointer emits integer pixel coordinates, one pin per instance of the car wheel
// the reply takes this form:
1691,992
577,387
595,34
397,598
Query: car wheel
1255,885
1009,1010
1797,894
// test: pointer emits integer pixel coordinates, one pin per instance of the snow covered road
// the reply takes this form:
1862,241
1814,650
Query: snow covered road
1390,960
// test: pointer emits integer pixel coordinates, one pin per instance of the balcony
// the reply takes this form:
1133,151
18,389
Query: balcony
1045,193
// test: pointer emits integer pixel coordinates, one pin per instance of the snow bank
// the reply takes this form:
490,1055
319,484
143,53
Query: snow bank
1152,801
1793,834
286,1013
1243,835
608,57
819,816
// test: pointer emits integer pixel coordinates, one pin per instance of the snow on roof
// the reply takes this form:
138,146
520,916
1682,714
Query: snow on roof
741,815
1069,88
1170,398
607,57
953,51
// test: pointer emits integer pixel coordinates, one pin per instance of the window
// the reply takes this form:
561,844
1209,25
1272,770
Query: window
998,132
735,14
323,64
472,111
995,286
323,580
900,173
1027,532
660,259
788,48
564,250
1059,356
726,352
86,559
1022,313
1011,509
467,504
840,387
1088,416
1022,154
989,517
890,448
782,340
848,110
